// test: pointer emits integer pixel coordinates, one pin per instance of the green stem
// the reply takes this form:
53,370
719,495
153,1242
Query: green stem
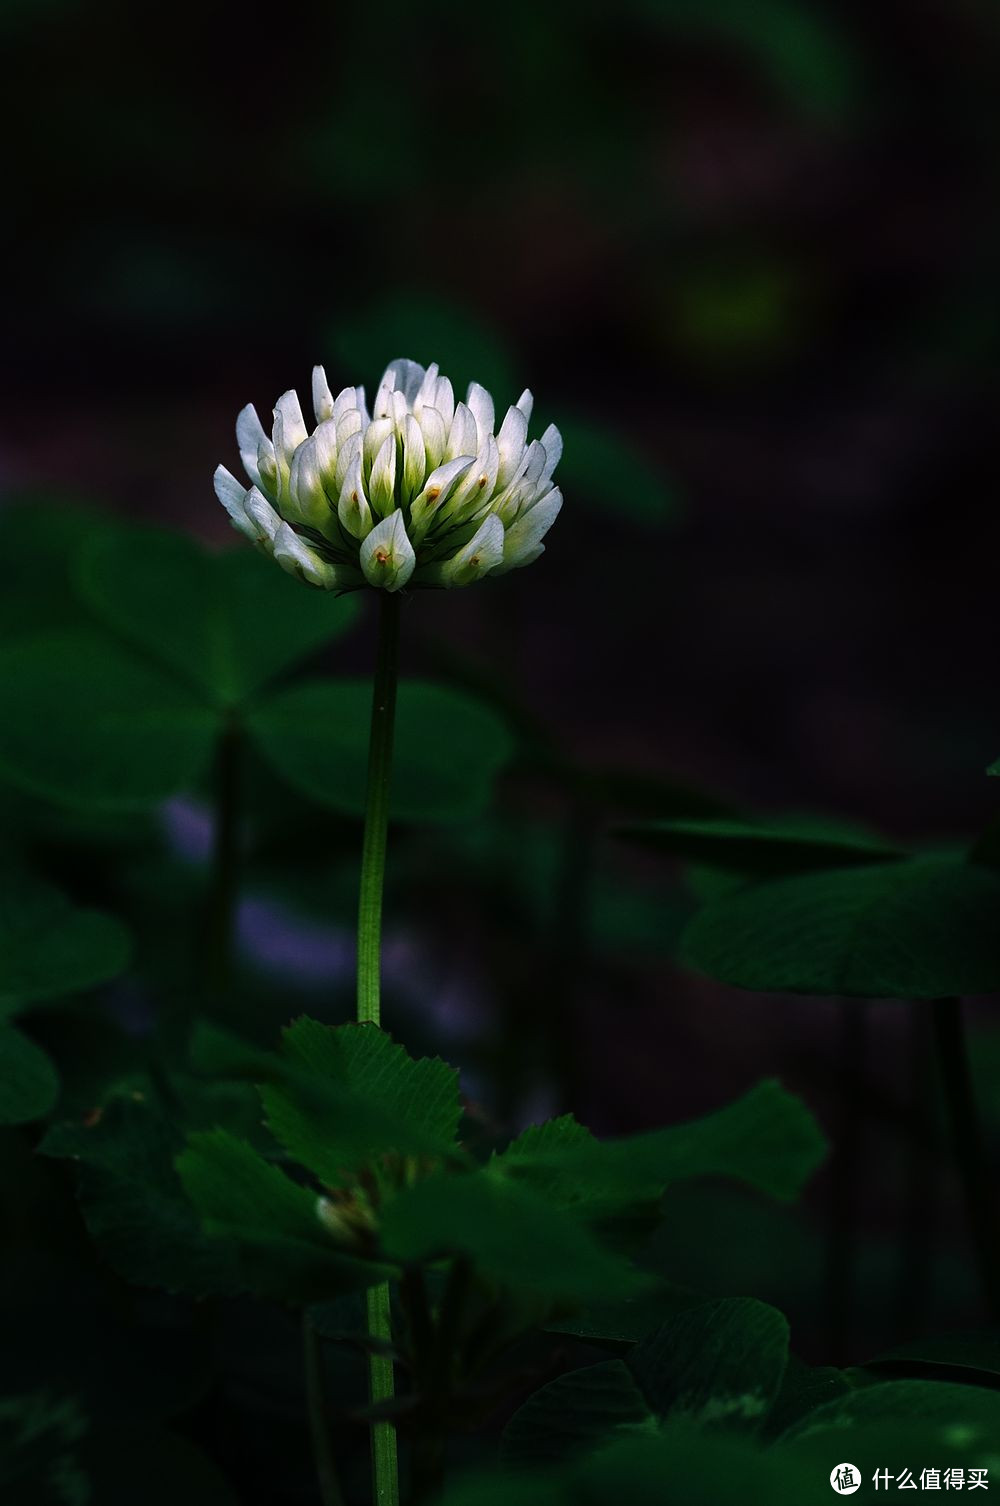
377,810
385,1470
970,1153
326,1471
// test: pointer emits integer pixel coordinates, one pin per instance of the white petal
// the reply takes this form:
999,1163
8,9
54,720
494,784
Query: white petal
523,539
322,396
231,494
263,518
289,425
376,434
553,447
435,436
409,378
387,386
463,436
308,502
414,459
427,390
480,405
483,553
352,509
444,400
510,442
294,555
437,490
345,401
250,436
387,556
351,421
477,485
526,403
349,452
382,481
325,439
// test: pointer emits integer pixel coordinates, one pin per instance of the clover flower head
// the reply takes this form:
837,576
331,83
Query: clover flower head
420,491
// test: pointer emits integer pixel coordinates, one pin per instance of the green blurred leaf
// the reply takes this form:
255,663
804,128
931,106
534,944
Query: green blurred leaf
915,930
39,1452
85,721
375,1098
226,623
757,847
448,750
49,947
806,54
682,1463
29,1083
42,526
717,1365
512,1235
804,1389
607,471
133,1202
425,328
768,1139
973,1409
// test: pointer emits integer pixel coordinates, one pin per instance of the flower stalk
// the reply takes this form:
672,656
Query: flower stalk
385,1471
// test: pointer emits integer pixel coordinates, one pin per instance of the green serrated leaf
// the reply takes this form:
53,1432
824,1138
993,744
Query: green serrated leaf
225,623
448,749
283,1249
767,1138
920,929
515,1237
87,722
396,1102
49,947
29,1083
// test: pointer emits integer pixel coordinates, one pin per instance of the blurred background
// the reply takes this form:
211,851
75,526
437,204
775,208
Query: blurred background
746,258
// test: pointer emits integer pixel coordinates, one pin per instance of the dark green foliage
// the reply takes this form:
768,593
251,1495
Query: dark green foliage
88,722
29,1083
39,1452
918,929
718,1366
758,848
227,623
448,748
49,947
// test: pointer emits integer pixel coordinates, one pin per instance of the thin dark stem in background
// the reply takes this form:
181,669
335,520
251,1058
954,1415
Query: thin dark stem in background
224,882
381,1387
565,972
978,1187
920,1190
430,1443
319,1427
845,1177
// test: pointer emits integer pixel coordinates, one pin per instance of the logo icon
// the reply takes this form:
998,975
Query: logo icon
845,1479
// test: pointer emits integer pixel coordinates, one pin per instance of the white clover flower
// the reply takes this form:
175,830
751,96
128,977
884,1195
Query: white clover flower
421,492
